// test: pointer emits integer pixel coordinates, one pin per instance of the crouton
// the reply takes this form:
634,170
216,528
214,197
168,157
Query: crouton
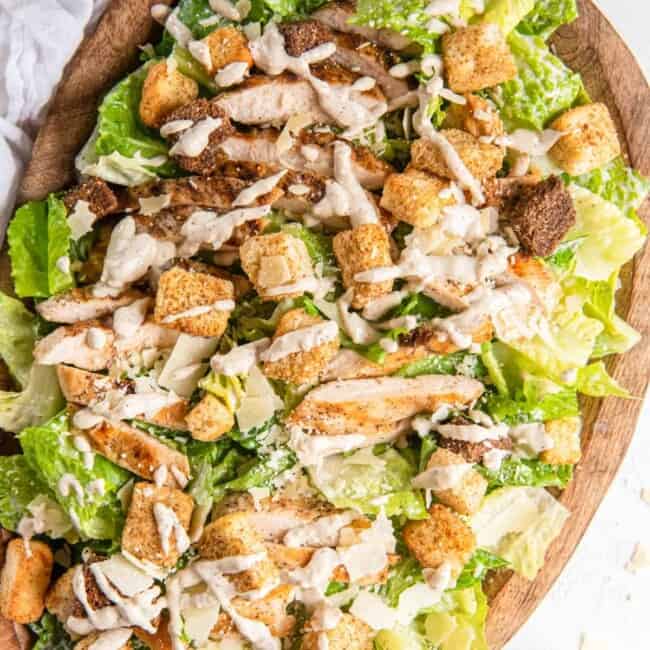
196,303
100,197
482,160
227,45
414,197
361,249
540,215
272,261
443,537
500,191
473,452
350,633
24,580
477,116
141,535
589,141
211,157
14,636
477,57
209,419
305,366
163,91
87,643
565,434
465,497
230,535
137,451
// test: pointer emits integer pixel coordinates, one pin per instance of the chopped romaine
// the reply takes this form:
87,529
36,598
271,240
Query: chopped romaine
506,13
524,472
462,363
19,486
547,16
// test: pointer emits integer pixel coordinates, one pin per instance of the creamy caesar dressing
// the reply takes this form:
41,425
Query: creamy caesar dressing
63,264
442,477
359,330
226,9
319,287
533,143
378,307
168,525
258,189
127,320
323,531
312,449
493,458
200,310
177,28
530,440
240,359
301,340
193,141
96,338
70,483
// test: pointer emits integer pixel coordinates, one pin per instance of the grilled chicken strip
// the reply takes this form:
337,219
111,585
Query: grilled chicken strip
273,100
336,15
84,388
374,406
81,304
353,52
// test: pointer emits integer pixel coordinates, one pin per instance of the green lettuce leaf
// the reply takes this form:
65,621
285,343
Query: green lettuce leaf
406,573
609,238
523,472
551,406
18,331
462,362
319,245
543,88
506,13
547,16
594,380
38,236
476,569
519,524
50,452
19,486
369,482
193,69
50,634
120,131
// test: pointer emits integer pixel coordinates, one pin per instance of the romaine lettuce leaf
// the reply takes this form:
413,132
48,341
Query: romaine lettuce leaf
463,363
319,246
193,69
50,452
519,524
506,13
369,482
609,238
543,87
551,406
19,486
524,472
547,16
119,129
594,380
476,569
50,634
38,236
18,330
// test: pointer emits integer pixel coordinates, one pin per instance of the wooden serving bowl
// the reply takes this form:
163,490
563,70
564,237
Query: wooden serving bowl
591,46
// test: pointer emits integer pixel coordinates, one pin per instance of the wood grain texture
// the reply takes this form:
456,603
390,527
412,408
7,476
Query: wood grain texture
590,46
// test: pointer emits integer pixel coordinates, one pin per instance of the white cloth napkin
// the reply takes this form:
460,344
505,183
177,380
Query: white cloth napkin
37,39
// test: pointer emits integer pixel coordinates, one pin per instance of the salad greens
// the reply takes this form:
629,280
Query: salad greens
547,16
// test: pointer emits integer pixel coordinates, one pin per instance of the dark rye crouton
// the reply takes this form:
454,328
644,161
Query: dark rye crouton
472,452
540,215
304,35
100,197
208,160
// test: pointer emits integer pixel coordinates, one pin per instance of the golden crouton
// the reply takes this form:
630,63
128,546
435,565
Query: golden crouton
87,642
477,57
227,45
481,159
196,303
164,91
137,451
230,535
565,434
465,497
477,116
209,419
24,580
590,139
444,537
271,261
141,535
361,249
301,367
414,197
350,633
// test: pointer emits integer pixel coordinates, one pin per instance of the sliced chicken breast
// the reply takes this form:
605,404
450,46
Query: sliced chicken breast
369,406
137,451
81,304
84,388
149,335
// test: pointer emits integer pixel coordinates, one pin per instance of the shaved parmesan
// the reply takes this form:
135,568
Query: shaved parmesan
188,351
260,402
199,622
81,220
154,204
373,611
129,579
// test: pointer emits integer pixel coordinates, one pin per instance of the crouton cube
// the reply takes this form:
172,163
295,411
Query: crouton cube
477,57
100,197
590,139
227,45
196,303
142,534
414,197
305,366
477,116
465,497
350,633
444,537
273,261
482,160
540,215
232,534
164,90
211,157
24,580
565,434
209,419
361,249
